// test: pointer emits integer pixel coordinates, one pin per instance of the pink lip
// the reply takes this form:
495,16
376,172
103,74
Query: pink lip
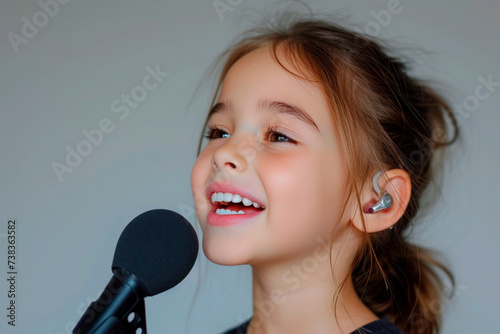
228,220
228,188
214,219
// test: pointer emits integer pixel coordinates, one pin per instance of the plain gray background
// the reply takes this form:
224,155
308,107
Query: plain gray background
64,78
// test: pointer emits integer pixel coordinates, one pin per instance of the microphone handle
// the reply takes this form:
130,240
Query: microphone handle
119,310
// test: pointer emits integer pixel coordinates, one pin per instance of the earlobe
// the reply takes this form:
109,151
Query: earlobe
386,203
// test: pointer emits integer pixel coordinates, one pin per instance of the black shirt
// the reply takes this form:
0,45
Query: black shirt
381,326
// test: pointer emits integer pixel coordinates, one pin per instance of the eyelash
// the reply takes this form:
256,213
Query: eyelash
215,133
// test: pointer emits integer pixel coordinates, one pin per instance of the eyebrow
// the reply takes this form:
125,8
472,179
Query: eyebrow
274,106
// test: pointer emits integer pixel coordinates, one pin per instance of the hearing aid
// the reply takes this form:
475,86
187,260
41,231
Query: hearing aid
385,200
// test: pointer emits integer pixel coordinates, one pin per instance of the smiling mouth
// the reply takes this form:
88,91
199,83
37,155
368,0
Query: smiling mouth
233,204
225,208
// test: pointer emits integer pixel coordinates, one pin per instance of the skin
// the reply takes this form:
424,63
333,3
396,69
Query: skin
300,178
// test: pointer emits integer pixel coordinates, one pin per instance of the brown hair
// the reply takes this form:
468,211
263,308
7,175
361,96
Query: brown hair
386,119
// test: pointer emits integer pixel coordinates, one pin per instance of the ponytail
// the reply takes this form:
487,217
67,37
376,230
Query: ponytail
394,278
403,285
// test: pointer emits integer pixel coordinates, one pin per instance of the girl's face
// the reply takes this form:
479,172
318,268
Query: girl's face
273,142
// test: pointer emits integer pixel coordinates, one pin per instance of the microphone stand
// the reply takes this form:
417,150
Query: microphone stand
119,310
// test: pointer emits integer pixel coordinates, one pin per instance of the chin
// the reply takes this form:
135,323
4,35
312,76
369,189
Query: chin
224,254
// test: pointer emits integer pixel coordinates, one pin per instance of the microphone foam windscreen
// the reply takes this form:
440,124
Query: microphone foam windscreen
159,247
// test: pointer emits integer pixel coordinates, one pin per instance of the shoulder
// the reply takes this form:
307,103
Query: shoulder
241,329
380,326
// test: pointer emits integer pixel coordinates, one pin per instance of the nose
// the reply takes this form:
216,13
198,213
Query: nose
232,156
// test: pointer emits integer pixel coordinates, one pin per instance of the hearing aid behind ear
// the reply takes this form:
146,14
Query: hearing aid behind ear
384,202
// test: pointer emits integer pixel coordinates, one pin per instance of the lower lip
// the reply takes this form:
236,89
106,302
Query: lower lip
214,219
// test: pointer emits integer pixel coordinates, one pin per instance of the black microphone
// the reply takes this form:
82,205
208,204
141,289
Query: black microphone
154,253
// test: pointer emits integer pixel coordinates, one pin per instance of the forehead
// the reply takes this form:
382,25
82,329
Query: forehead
258,77
260,65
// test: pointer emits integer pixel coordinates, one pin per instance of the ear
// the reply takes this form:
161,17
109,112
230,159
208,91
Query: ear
397,183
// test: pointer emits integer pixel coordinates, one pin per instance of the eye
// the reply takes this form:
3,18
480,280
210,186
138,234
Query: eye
274,136
215,133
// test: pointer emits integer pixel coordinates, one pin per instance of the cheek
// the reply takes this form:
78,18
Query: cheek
305,193
199,177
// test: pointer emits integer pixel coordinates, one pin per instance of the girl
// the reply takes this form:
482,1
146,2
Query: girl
319,147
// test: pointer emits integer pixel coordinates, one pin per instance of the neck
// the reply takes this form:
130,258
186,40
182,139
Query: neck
305,297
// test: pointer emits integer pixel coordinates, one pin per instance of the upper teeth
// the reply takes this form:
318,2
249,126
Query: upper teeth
235,198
